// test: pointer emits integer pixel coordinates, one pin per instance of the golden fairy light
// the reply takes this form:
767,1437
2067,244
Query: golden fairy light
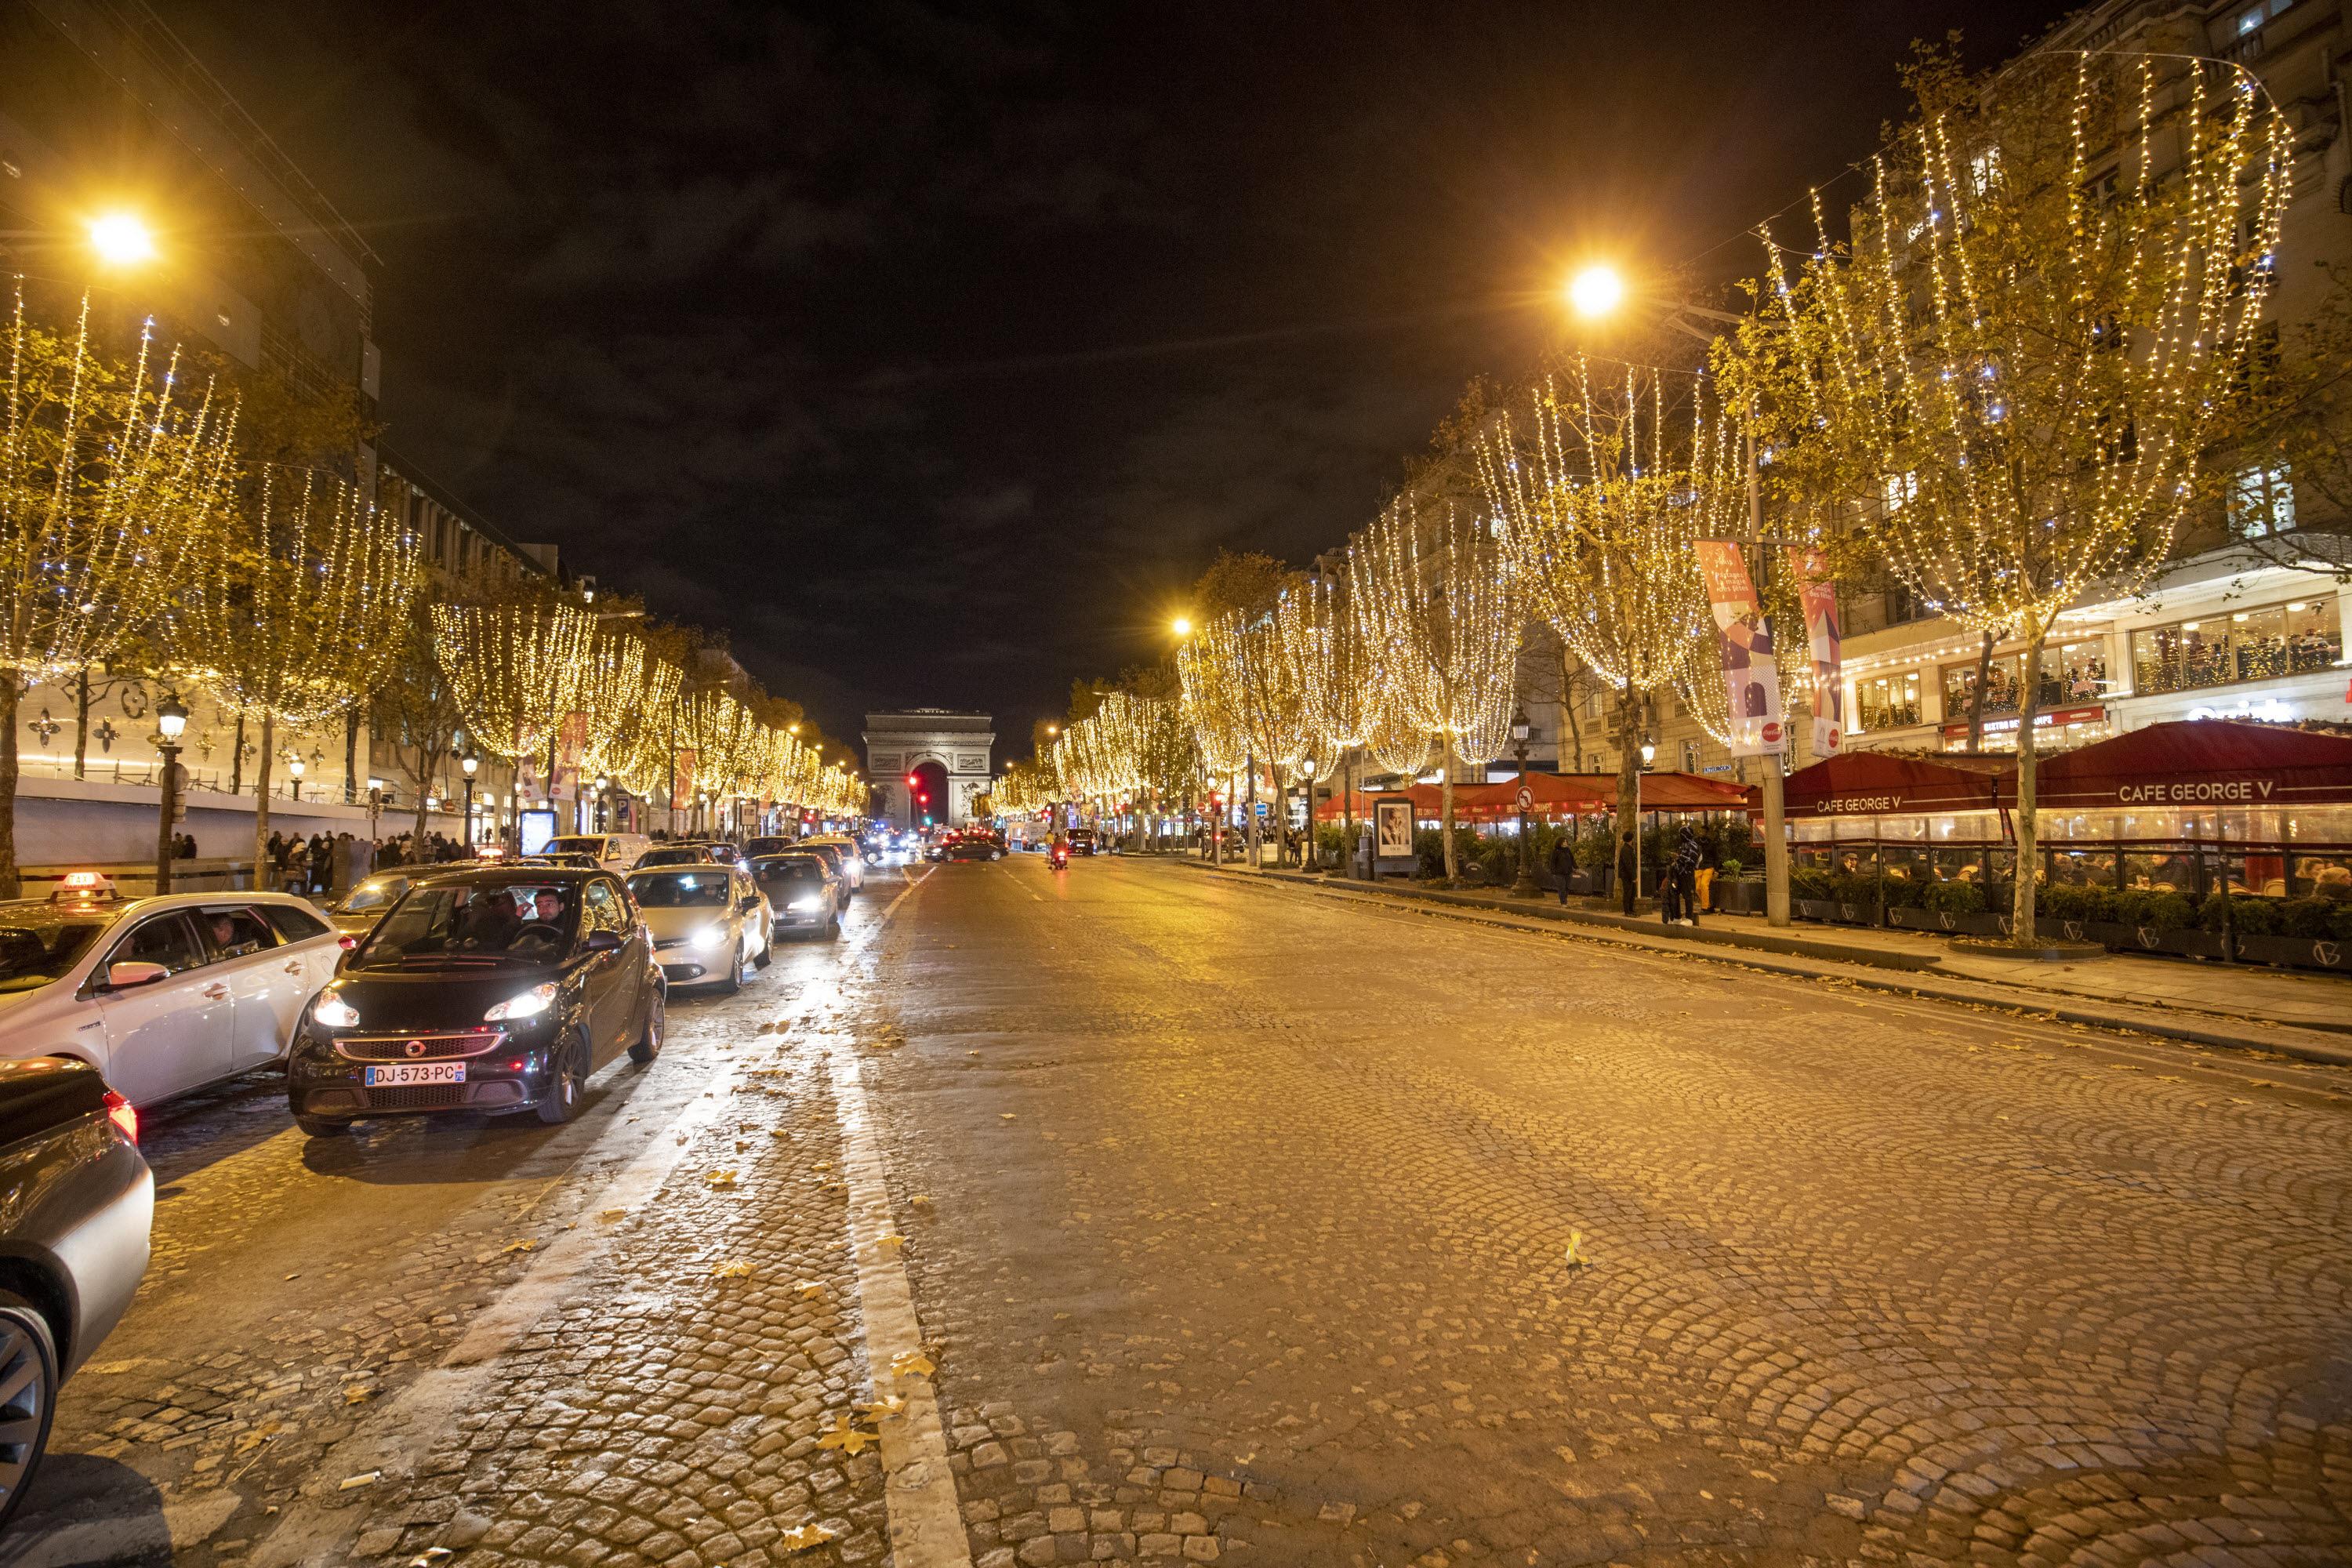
2016,362
515,666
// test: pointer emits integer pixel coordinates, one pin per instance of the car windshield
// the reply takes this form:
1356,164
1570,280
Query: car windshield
589,846
375,893
38,944
766,845
792,871
672,857
522,921
681,890
831,857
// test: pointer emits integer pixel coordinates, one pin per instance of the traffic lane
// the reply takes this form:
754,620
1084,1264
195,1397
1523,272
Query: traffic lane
296,1282
1282,1193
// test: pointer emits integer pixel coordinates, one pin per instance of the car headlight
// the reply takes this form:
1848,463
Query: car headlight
709,939
335,1013
529,1005
809,905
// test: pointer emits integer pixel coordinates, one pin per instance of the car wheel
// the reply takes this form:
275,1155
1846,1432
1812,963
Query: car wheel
833,928
996,854
562,1102
732,981
28,1371
320,1126
648,1045
766,955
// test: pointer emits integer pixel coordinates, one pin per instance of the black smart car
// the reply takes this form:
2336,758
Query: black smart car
495,989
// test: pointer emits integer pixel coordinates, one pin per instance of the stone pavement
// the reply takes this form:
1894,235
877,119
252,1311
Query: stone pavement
2251,1005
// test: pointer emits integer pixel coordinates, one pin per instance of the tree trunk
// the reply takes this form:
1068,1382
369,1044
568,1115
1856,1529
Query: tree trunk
1976,697
352,756
428,762
1445,814
1574,763
1629,780
1347,813
2027,855
1249,819
82,723
12,692
237,759
263,872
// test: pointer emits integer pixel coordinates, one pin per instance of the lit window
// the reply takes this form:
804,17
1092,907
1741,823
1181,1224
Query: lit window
2262,500
1901,488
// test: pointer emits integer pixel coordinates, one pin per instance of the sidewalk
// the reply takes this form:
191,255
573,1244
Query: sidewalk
2244,1006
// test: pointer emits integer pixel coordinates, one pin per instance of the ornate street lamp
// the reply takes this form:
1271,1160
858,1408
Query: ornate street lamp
295,769
171,721
468,763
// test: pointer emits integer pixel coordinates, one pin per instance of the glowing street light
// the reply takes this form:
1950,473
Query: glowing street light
121,240
1181,626
1597,290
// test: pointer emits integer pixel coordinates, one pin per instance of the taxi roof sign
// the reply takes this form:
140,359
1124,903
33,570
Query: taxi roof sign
85,887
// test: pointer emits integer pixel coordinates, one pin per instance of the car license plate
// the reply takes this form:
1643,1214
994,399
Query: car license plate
414,1072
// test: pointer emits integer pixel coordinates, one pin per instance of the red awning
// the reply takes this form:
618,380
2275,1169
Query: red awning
1556,796
1877,784
2199,762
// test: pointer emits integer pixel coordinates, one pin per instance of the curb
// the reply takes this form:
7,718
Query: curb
1776,954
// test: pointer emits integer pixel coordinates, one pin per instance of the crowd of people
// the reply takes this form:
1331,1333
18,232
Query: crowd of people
331,865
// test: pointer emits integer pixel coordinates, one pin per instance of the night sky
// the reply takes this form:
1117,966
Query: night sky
932,351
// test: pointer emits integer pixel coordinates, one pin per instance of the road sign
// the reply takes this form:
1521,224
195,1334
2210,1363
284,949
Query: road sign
1527,797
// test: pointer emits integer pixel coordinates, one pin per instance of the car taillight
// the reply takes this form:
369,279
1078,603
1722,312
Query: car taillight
347,942
124,1114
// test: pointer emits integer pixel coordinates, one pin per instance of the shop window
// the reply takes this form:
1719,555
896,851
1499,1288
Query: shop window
1899,489
2073,672
2261,501
1889,701
2294,638
2002,689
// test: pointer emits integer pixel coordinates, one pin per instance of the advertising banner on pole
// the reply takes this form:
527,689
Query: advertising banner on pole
1819,597
571,742
1751,680
681,795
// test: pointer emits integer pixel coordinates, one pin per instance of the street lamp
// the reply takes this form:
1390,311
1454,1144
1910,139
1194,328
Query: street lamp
375,806
121,239
603,783
1181,626
1306,847
295,769
171,721
1524,885
1598,291
467,764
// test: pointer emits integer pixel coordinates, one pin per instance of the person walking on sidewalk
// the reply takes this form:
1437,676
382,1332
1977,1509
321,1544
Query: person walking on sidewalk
1629,870
1685,872
1563,863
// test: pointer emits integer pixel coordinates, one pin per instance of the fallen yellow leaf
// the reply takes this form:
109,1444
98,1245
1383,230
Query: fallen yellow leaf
912,1363
719,1179
893,1239
614,1214
810,1289
800,1537
845,1434
736,1270
521,1246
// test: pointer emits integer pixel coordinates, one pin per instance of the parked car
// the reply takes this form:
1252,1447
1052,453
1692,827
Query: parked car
165,994
73,1243
496,989
673,855
613,851
803,893
704,922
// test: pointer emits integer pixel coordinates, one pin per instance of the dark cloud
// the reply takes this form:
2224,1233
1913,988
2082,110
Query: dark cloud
930,348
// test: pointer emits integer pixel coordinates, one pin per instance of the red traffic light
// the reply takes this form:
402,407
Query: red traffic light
912,781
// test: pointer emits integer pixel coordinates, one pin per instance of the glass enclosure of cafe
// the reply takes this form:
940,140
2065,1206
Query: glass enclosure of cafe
2188,807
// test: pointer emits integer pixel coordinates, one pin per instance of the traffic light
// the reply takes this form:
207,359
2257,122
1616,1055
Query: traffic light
912,781
921,798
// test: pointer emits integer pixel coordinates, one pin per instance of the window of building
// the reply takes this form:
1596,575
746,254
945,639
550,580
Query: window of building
1888,701
1690,756
2002,690
2262,500
1899,489
2292,638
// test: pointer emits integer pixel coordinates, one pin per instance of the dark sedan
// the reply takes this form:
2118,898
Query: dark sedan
73,1242
500,989
803,893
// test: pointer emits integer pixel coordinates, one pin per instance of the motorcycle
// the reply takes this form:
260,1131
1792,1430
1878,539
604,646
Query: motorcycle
1061,857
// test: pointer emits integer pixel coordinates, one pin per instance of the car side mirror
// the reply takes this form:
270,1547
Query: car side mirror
601,941
129,974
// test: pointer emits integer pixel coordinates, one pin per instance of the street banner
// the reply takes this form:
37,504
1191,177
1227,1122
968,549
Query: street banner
1751,680
1819,597
526,777
570,743
681,795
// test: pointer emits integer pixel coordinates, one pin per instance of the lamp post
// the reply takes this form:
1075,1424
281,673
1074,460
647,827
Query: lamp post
467,764
1649,754
1306,844
1598,291
1524,885
171,720
603,783
375,807
295,769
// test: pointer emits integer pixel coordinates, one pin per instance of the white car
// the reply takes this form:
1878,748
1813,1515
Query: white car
615,852
852,859
163,995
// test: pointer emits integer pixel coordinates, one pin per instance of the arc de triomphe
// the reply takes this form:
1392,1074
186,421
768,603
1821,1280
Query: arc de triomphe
898,743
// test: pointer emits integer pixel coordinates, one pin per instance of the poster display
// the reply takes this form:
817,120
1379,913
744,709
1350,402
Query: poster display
681,793
1819,595
571,744
1752,680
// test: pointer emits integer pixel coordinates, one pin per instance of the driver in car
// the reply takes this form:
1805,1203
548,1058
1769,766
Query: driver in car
225,938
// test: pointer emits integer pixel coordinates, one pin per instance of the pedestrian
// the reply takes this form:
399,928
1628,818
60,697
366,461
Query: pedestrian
1563,863
294,874
1629,870
1704,879
1684,870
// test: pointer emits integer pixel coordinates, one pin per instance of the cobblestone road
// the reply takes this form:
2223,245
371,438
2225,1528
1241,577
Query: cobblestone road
1248,1228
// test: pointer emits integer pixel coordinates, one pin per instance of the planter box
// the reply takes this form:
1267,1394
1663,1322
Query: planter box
1741,896
1984,922
1833,912
2299,952
2144,939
